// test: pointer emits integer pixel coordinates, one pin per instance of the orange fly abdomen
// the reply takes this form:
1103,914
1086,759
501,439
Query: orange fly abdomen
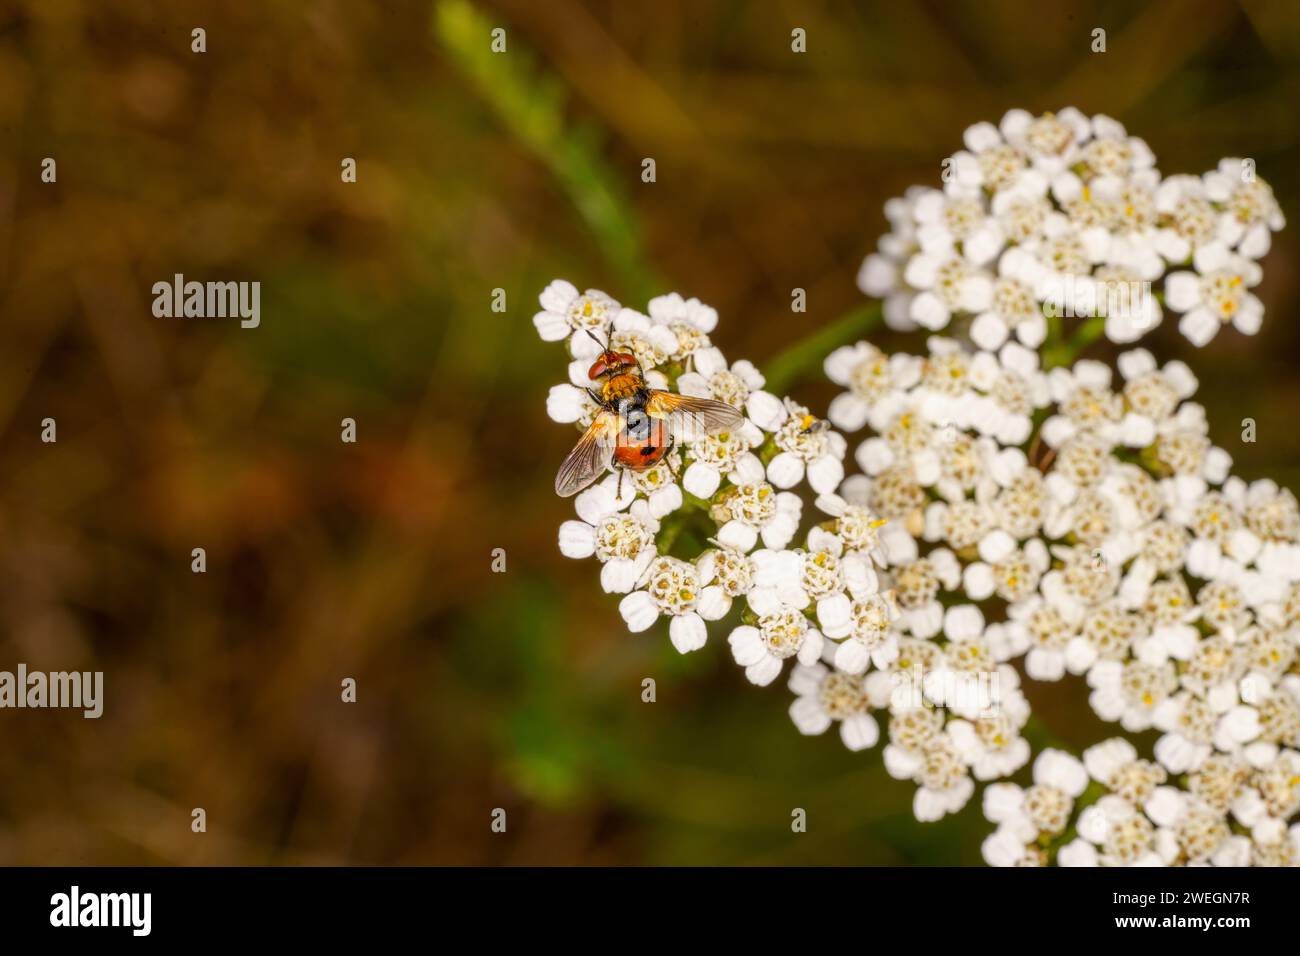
643,447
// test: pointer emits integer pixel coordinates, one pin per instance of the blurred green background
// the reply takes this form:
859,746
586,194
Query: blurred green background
475,172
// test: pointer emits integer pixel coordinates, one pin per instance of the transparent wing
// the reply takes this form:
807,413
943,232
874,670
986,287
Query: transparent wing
690,418
590,457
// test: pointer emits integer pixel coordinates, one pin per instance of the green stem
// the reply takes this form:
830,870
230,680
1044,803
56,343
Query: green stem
533,108
693,513
668,536
1057,352
809,352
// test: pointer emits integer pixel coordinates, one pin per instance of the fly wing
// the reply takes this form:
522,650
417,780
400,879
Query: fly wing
590,457
690,418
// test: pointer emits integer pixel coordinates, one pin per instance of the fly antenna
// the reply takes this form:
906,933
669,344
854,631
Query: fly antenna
604,346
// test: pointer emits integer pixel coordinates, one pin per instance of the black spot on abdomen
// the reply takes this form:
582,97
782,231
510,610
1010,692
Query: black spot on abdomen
648,450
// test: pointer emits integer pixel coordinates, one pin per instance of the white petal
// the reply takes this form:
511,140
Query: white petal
1077,853
1199,326
1079,655
976,293
583,348
1002,802
982,246
1058,769
1164,806
996,546
558,296
1256,242
778,532
809,716
748,470
807,681
1045,665
577,539
665,500
551,327
639,610
694,383
929,311
564,403
810,651
922,270
929,805
902,764
764,600
988,331
594,503
1135,363
859,732
747,645
1176,753
714,603
852,657
767,411
874,455
926,621
763,672
978,581
1240,724
736,534
1248,320
877,276
786,470
1182,291
578,369
859,576
687,632
833,614
841,363
1104,759
1211,257
1137,431
619,575
848,412
825,474
1093,824
963,622
982,136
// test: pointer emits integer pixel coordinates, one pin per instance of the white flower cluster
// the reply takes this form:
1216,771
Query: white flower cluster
722,476
1064,522
1174,590
963,509
1126,811
1067,215
856,607
1118,548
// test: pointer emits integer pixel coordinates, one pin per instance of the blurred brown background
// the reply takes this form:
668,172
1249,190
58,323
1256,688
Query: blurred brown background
477,171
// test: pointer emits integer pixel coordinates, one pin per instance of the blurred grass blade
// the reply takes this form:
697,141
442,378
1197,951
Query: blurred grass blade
532,105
